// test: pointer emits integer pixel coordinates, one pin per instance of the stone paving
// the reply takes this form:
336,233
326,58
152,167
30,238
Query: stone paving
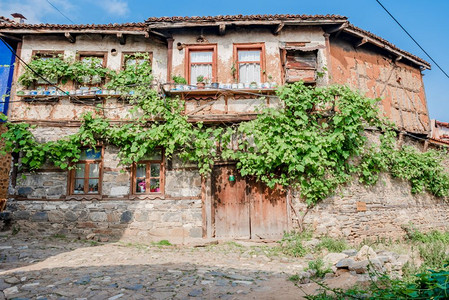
60,268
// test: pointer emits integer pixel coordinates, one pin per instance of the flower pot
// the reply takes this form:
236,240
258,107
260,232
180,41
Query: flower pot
214,85
200,85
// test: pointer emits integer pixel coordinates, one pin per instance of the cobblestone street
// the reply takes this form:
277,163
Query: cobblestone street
59,268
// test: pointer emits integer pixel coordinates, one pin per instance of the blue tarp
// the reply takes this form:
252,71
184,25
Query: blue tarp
6,72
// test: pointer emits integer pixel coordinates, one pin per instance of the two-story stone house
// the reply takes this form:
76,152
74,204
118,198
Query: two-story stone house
245,56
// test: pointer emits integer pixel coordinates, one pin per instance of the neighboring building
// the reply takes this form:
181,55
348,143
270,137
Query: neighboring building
228,49
439,133
7,60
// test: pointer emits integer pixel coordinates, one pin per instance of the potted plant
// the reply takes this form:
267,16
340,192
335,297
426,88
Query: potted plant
200,82
154,188
179,81
141,186
253,85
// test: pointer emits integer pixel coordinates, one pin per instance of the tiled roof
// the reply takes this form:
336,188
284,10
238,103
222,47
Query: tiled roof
246,18
3,19
385,42
71,26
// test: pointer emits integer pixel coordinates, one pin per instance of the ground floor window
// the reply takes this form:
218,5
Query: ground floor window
85,177
148,174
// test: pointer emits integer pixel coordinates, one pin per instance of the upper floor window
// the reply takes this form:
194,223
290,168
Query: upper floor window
47,55
92,60
130,59
249,62
201,61
85,177
148,174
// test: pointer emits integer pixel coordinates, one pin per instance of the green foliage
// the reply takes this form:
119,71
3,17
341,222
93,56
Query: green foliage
319,267
427,285
50,68
137,73
315,142
179,79
162,243
59,68
200,78
331,244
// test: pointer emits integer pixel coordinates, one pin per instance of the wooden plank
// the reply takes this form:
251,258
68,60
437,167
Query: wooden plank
70,37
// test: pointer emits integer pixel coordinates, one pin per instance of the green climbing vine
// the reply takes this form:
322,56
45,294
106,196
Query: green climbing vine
314,141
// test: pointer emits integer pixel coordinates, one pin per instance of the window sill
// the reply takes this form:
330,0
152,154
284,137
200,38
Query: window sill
211,93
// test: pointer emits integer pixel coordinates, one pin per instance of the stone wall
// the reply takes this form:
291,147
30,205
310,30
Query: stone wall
134,220
389,204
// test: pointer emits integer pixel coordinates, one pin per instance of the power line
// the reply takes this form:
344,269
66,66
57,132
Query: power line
60,12
405,30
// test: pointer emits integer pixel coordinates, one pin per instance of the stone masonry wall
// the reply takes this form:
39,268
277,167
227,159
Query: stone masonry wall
390,205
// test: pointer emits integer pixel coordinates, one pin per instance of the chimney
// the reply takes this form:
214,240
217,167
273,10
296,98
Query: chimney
18,18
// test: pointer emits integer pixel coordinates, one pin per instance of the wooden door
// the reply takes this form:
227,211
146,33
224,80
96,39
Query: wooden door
245,208
230,205
268,211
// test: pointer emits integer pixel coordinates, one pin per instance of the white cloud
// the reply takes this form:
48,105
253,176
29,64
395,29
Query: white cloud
115,7
34,10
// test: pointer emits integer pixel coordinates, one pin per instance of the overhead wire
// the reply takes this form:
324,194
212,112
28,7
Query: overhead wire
60,11
416,42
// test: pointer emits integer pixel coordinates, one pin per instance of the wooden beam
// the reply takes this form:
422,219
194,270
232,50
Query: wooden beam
7,36
398,58
279,28
337,28
121,38
362,42
70,37
222,29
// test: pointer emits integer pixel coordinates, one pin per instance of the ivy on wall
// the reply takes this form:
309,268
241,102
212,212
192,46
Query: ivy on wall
314,142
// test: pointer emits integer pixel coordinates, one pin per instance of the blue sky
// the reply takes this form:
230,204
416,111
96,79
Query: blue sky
427,21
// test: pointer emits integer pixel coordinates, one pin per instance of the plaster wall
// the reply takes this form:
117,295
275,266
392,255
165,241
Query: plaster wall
399,85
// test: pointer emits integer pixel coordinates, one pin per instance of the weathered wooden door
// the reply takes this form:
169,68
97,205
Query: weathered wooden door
268,211
245,208
231,207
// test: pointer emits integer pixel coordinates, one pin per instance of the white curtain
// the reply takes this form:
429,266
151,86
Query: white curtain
205,68
249,71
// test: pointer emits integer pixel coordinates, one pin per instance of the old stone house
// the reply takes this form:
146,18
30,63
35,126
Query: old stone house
243,54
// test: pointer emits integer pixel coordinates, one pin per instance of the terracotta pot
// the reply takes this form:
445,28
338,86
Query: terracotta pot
200,85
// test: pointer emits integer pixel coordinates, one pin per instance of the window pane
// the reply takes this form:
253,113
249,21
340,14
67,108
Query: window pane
93,186
94,170
90,154
201,56
197,70
140,186
253,55
80,170
141,170
155,170
155,155
79,186
97,61
249,72
154,186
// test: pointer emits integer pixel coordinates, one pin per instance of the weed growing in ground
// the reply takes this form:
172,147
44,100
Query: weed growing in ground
331,244
162,243
319,267
292,243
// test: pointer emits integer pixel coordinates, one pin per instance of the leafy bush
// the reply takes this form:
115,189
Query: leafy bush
331,244
427,285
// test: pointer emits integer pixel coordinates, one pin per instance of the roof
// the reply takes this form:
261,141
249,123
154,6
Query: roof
246,18
15,25
4,19
160,23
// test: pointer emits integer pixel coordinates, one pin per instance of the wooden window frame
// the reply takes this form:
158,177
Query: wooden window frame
87,162
201,48
249,47
49,53
122,61
148,177
103,54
